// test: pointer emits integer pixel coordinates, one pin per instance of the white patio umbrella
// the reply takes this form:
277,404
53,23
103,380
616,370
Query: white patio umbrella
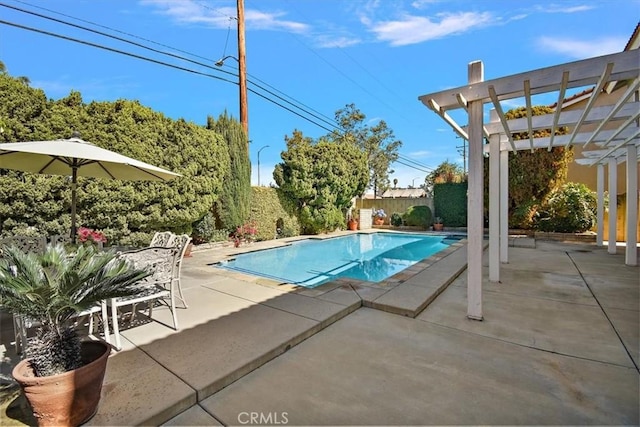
76,157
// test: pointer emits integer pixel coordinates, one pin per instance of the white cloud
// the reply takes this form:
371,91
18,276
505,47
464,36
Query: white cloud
561,8
420,154
186,11
270,21
423,4
331,41
580,49
416,29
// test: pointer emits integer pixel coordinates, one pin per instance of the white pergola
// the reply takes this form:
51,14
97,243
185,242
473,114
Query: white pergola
612,130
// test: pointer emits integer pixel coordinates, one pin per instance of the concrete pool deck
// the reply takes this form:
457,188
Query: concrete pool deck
559,345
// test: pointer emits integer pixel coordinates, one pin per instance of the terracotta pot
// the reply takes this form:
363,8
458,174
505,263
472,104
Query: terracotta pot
352,224
70,398
187,252
438,227
378,221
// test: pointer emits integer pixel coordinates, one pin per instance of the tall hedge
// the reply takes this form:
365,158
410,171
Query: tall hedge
233,207
450,203
128,212
270,210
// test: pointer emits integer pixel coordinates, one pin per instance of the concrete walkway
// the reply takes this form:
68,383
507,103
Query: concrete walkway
559,345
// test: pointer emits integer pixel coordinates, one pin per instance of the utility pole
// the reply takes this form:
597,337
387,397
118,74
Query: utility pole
242,70
463,147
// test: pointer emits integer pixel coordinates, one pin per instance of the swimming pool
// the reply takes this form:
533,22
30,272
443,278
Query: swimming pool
311,262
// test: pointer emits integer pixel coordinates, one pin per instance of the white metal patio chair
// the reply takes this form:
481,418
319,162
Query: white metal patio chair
22,327
161,239
180,243
159,286
167,239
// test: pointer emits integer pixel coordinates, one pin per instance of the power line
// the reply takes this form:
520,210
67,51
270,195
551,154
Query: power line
338,70
422,165
107,28
155,61
412,166
330,123
308,110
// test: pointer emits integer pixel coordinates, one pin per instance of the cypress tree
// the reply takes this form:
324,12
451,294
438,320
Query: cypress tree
233,207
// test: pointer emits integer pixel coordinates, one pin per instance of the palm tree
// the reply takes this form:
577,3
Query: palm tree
52,288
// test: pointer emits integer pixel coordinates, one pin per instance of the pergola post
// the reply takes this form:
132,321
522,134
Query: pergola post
494,208
631,252
504,206
600,207
613,207
475,214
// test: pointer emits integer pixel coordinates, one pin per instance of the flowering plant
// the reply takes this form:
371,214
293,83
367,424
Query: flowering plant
245,233
379,213
92,236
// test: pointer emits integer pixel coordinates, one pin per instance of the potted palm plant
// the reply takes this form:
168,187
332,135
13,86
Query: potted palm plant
352,220
62,375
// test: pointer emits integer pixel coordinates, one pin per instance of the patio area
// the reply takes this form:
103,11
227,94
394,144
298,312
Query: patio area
559,344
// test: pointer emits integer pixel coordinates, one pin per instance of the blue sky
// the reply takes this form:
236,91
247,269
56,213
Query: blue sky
317,54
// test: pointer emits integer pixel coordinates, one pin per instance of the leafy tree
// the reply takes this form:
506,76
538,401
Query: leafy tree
377,142
322,177
446,172
234,205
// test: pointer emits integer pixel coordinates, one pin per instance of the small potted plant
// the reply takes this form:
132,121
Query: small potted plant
378,216
62,375
352,221
437,224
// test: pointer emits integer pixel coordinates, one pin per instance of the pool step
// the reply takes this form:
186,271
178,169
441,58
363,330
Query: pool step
411,296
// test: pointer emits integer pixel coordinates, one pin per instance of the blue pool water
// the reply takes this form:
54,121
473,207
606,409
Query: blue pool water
311,262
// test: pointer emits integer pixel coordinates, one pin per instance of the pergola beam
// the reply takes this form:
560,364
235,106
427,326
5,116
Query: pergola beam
503,120
633,87
592,99
556,115
542,80
560,140
433,105
568,118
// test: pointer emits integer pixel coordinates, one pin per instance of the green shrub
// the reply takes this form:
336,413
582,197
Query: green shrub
418,216
396,219
570,209
522,216
204,229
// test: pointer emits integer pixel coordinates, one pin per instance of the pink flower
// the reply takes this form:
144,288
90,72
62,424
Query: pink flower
88,235
244,233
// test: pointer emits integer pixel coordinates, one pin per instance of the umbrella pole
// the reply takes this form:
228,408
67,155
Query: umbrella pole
74,179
